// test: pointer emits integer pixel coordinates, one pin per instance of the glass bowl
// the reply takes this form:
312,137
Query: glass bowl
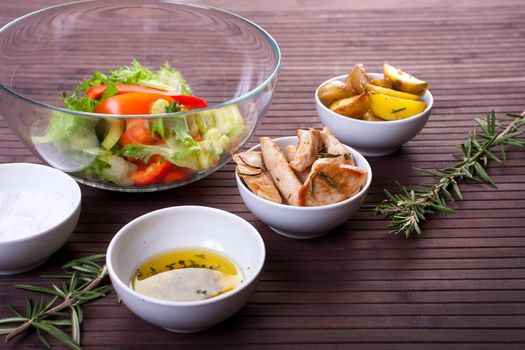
226,59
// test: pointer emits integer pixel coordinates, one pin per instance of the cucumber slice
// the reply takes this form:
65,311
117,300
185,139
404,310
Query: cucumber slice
114,129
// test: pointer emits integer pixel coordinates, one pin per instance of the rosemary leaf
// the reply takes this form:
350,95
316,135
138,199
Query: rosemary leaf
59,291
408,209
493,156
38,289
430,172
75,326
14,311
29,308
502,152
80,313
86,281
6,330
327,155
13,319
447,195
43,339
329,181
456,189
59,322
57,333
483,174
51,302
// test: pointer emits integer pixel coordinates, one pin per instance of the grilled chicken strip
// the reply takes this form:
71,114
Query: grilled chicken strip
330,181
251,158
334,147
249,168
244,168
283,176
263,186
307,148
290,152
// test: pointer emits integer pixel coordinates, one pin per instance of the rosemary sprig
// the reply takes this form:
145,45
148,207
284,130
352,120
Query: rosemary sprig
409,208
85,282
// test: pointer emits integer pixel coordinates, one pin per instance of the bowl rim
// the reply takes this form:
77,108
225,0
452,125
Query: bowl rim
361,192
273,43
342,77
74,207
247,282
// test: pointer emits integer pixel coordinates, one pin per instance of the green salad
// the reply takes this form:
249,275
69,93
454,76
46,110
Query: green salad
141,150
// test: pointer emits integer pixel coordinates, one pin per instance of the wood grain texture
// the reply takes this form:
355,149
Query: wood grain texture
459,286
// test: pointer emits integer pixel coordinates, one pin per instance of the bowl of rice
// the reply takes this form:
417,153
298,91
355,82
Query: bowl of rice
39,210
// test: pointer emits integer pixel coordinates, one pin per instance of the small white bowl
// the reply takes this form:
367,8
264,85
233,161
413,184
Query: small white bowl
185,227
304,222
372,138
25,253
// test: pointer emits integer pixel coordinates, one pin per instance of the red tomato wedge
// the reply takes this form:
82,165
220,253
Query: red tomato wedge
190,102
138,132
174,176
151,173
132,103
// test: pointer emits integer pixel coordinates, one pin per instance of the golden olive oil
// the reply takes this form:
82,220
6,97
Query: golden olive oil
187,274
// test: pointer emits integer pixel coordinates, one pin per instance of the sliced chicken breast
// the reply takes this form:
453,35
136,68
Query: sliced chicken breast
263,186
290,152
330,181
309,142
252,158
281,172
250,170
243,169
334,147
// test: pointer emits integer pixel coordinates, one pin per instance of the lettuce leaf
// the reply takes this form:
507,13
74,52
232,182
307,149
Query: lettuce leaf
172,78
67,126
180,148
217,129
165,78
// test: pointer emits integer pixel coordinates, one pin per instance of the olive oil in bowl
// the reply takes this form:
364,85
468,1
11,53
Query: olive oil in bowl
188,274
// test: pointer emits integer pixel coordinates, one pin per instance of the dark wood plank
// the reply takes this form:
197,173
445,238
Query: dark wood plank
459,286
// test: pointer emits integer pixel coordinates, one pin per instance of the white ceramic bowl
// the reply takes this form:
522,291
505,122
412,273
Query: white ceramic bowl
24,253
185,227
368,137
304,222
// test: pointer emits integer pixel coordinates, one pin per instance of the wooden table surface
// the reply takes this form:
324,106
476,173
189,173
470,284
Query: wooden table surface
461,285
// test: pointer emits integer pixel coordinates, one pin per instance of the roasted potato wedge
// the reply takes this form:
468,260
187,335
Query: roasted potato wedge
369,116
391,92
393,108
335,90
358,78
353,107
403,81
386,83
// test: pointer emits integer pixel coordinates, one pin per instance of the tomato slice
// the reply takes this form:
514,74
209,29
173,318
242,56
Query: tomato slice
132,103
189,102
138,132
151,173
174,176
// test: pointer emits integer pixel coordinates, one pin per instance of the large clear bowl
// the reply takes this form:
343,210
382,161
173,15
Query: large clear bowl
228,60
